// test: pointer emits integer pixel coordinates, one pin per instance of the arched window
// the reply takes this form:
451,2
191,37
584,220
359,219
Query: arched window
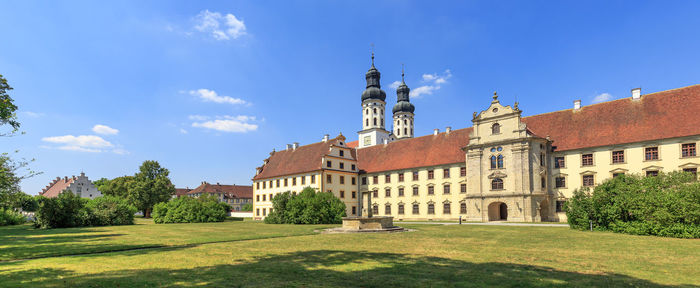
382,121
375,121
366,122
398,132
405,122
375,110
496,128
497,184
405,131
493,162
367,111
500,161
382,111
397,122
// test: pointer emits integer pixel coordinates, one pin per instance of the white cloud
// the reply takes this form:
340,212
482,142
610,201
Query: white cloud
33,114
236,124
104,130
395,84
183,131
120,151
433,82
82,143
602,98
198,117
221,27
211,96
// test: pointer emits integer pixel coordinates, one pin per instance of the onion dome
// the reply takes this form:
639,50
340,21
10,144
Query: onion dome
403,103
373,90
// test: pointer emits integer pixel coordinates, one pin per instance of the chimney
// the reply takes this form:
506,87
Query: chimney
217,183
295,145
289,146
448,130
325,138
436,131
577,104
386,141
65,178
636,93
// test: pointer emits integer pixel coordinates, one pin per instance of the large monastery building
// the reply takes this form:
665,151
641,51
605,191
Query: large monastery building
504,167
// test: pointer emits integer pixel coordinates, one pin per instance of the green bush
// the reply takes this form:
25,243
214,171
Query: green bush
308,207
190,210
68,210
666,205
10,217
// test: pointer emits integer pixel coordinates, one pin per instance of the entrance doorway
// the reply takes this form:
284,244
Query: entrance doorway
498,211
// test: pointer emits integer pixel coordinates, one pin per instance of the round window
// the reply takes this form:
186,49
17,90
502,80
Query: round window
495,110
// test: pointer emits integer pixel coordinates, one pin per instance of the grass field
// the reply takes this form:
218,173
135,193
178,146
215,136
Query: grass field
252,254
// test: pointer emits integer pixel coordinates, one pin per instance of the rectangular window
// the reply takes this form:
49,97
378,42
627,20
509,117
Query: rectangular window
400,192
587,160
446,209
303,180
415,191
652,173
416,209
462,208
257,198
354,194
375,193
342,194
375,179
342,179
375,209
431,174
688,150
313,179
588,180
543,182
264,197
329,179
341,153
446,189
560,205
446,173
285,182
353,181
353,167
387,192
560,182
387,209
462,171
294,181
694,171
559,162
541,159
618,174
462,188
618,156
329,164
264,184
387,178
651,153
257,185
415,175
431,190
257,212
354,210
342,165
364,180
401,177
400,209
270,183
431,209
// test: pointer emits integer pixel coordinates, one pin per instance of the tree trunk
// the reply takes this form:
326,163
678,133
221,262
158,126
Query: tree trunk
147,214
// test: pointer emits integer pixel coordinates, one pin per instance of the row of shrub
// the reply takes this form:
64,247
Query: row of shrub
68,210
191,210
666,205
308,207
10,217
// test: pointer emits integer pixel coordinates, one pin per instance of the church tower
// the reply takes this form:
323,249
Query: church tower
373,104
403,112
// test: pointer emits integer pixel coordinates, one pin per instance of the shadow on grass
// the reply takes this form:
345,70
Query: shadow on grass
325,268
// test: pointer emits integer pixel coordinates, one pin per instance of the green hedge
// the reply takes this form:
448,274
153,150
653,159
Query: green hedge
68,210
308,207
666,205
190,210
10,217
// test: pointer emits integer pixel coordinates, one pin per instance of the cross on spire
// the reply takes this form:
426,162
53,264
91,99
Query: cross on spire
402,66
372,44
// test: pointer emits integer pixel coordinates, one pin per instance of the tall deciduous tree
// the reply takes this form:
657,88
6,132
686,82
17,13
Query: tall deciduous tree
118,187
150,185
8,108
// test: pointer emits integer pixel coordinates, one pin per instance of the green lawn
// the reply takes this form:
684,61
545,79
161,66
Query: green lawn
252,254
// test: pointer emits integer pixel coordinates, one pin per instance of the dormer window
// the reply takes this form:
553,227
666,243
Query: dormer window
496,128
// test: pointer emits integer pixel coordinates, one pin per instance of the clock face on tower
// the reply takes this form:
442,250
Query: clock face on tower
367,140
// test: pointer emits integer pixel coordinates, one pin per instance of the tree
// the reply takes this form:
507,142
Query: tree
308,207
150,185
118,187
247,207
8,108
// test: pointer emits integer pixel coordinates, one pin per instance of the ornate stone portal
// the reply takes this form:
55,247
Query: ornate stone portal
368,223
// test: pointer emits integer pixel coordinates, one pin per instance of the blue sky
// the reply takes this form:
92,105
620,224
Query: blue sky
210,88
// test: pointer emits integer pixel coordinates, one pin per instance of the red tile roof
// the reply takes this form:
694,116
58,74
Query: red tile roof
353,144
181,191
56,187
422,151
661,115
305,158
232,191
